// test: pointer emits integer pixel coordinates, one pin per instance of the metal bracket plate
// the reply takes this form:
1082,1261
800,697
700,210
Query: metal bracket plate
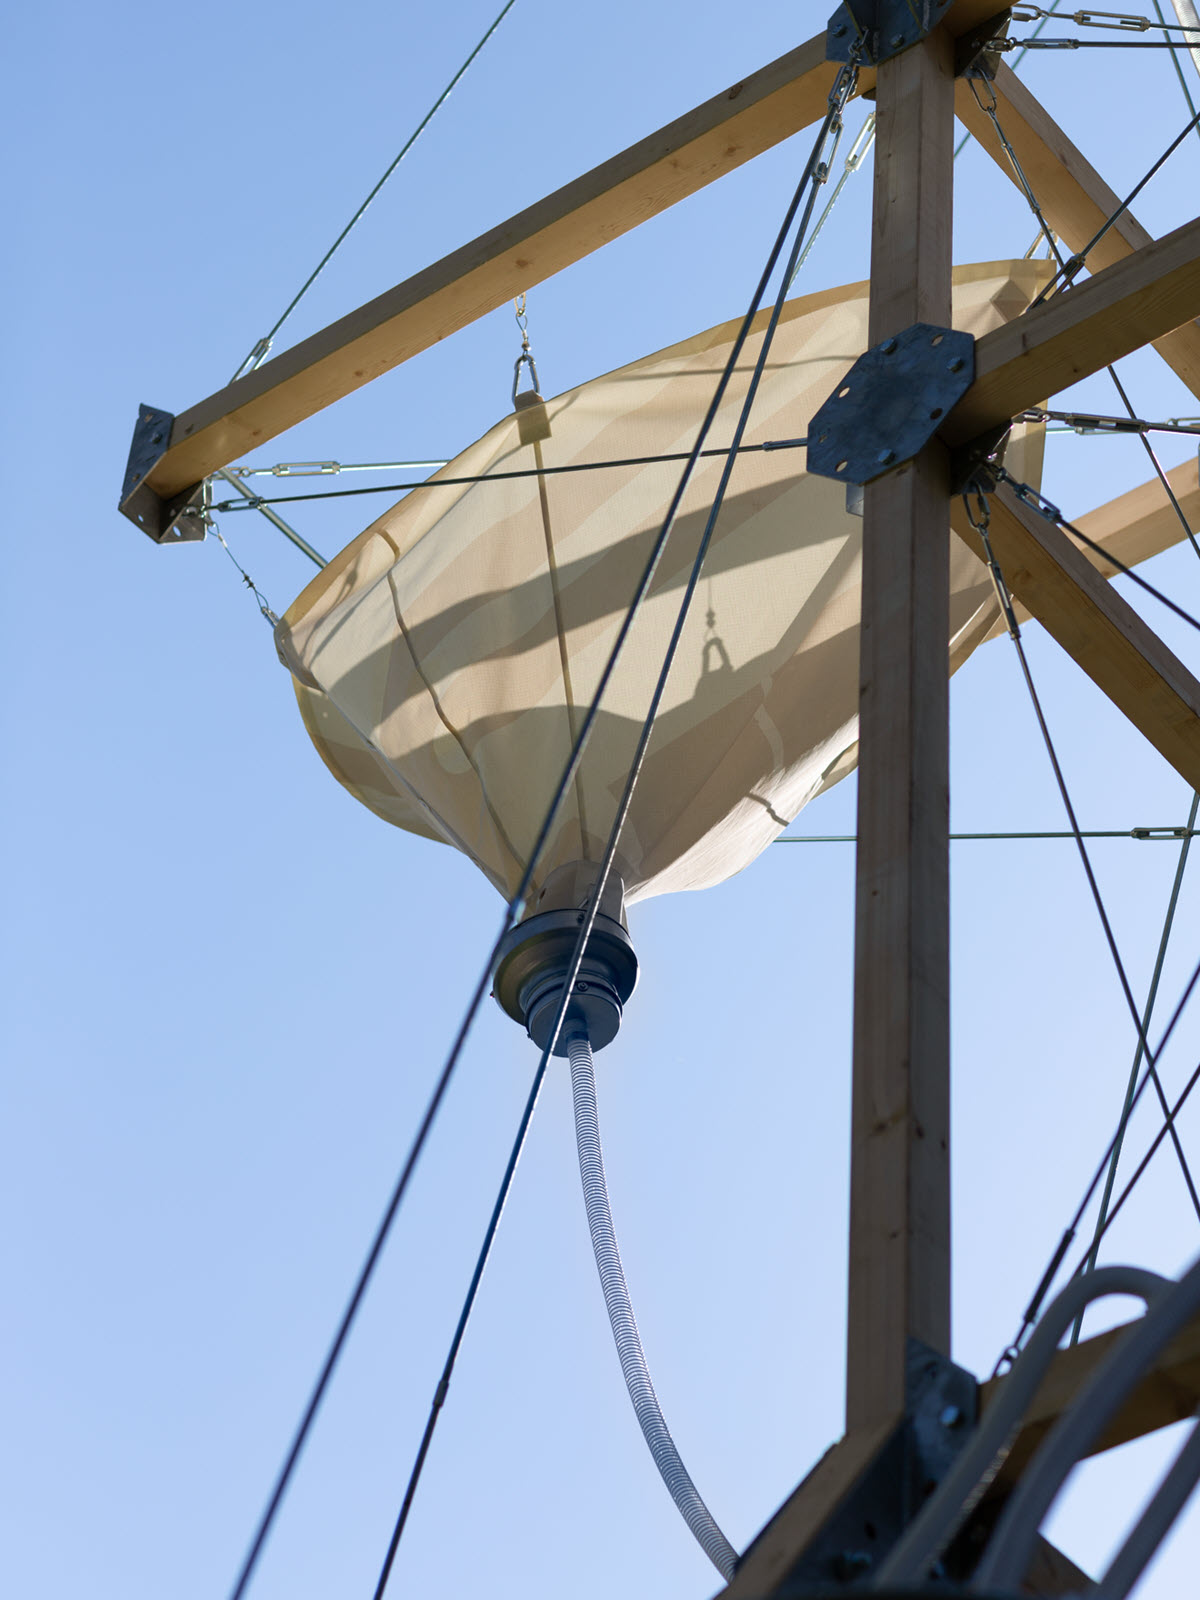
941,1412
887,26
179,520
891,403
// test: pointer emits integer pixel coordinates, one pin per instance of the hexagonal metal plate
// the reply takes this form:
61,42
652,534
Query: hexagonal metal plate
891,403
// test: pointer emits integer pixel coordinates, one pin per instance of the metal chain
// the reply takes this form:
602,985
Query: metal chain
979,518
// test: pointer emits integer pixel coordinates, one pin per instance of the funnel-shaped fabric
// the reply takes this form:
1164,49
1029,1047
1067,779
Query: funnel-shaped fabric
444,659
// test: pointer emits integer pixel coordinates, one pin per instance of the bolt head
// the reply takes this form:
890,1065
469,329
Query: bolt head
956,365
839,30
888,347
951,1417
886,457
897,40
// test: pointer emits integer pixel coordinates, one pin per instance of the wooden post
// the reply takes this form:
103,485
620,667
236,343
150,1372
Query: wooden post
900,1176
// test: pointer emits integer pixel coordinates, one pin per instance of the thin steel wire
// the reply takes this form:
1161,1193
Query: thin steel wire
1029,1316
1077,260
1089,1264
1157,465
1087,833
1086,860
1177,64
262,348
511,912
252,502
1032,497
838,96
1051,9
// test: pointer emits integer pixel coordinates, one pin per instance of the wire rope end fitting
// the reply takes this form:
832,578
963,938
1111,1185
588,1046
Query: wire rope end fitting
535,958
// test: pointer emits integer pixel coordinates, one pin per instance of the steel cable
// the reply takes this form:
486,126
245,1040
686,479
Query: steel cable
512,911
980,525
839,94
262,348
1089,1263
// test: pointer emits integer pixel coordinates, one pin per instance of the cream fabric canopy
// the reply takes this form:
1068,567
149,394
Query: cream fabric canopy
442,661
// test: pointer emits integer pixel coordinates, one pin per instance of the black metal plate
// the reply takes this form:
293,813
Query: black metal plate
891,403
890,26
174,521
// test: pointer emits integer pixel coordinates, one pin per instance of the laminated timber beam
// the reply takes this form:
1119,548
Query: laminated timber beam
649,177
1054,345
1056,583
1074,198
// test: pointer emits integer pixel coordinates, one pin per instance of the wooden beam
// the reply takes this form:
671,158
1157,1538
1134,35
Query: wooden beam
899,1282
650,176
770,1556
1096,626
1075,334
1142,523
1074,198
1169,1393
676,161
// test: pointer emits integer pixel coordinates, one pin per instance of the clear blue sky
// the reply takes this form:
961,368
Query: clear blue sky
229,988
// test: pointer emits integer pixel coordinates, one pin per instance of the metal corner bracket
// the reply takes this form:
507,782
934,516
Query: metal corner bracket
887,27
891,403
179,520
940,1413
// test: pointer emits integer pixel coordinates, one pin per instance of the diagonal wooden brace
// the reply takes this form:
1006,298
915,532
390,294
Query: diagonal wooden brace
1056,583
1074,198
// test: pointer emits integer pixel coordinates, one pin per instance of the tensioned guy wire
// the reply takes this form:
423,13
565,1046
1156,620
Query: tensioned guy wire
512,911
263,347
1076,261
251,502
1030,1314
1134,1072
843,85
979,521
1034,498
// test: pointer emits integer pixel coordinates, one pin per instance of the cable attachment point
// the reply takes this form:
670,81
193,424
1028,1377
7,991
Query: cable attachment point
977,52
891,403
177,519
884,27
533,424
980,518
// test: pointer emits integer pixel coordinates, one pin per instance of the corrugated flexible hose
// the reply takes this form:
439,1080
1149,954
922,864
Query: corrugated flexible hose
620,1314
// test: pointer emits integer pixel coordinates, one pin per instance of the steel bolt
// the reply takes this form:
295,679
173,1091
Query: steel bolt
951,1417
897,40
852,1562
839,30
886,457
889,347
956,365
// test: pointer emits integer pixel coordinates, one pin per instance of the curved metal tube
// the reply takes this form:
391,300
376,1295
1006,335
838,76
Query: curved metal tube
965,1484
1011,1544
1154,1523
620,1314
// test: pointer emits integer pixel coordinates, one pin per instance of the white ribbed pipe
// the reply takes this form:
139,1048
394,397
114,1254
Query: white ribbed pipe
620,1314
1185,10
